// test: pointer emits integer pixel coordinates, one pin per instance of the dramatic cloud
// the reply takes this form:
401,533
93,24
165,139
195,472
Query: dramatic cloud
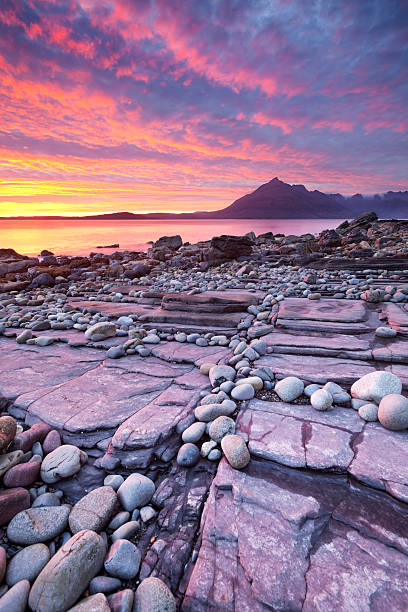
156,105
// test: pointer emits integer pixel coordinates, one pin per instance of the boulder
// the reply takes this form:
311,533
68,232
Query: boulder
64,461
101,331
93,511
376,385
393,412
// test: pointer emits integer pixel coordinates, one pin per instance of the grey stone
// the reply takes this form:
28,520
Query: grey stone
393,412
209,412
37,524
221,373
100,331
136,491
62,462
243,392
374,386
220,427
321,400
385,332
122,601
104,584
15,600
46,499
152,595
188,455
194,432
368,412
147,513
93,511
126,531
119,519
27,563
289,388
114,481
123,560
68,573
94,603
235,450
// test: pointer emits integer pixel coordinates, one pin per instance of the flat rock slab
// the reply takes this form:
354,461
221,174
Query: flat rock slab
24,367
299,436
317,369
345,311
212,320
395,351
183,352
336,342
396,314
110,309
322,326
315,538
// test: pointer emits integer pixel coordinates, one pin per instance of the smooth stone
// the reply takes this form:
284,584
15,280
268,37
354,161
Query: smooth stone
22,475
27,334
243,392
376,385
37,524
220,373
393,412
8,430
122,601
385,332
209,412
188,455
126,531
341,398
256,382
123,560
214,454
310,389
221,427
289,388
104,584
193,433
8,460
136,491
93,511
44,341
45,500
152,595
12,502
94,603
321,400
206,367
3,563
357,403
64,461
100,331
147,513
51,442
15,600
25,440
68,573
115,352
119,519
236,451
114,481
27,563
207,447
369,412
332,388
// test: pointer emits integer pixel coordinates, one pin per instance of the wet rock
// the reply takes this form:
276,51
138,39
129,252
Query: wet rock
62,462
114,481
93,511
68,573
236,451
188,455
152,595
46,499
126,531
12,502
27,563
136,491
393,412
123,560
37,524
104,584
375,385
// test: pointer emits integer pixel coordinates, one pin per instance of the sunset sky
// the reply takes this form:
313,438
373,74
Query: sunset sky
181,105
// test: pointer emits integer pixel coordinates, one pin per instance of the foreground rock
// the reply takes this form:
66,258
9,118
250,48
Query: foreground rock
68,573
152,595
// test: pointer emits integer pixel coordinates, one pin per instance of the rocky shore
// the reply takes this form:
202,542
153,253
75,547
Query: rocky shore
219,426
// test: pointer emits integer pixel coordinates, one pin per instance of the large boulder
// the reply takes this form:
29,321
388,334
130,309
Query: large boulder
168,242
224,248
42,280
376,385
68,573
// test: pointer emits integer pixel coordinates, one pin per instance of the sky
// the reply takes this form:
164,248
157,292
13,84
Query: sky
183,105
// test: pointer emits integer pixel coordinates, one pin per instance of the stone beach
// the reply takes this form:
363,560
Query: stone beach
219,426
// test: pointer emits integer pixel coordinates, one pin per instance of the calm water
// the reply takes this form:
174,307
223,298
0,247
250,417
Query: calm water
81,237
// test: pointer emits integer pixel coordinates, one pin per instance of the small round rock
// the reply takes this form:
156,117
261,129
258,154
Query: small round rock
136,491
289,388
221,427
393,412
27,564
385,332
321,400
188,455
152,595
243,392
369,412
123,560
236,451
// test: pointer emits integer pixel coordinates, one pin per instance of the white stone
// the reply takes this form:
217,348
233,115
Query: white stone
376,385
289,388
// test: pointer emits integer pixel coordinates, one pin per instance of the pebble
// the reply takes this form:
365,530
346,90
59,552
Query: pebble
206,367
114,481
104,584
256,382
221,427
207,447
46,499
37,524
147,513
376,385
193,433
122,601
15,600
64,461
94,603
123,560
385,332
243,392
25,440
152,595
9,459
214,454
8,429
68,573
310,389
236,451
220,373
321,400
368,412
188,455
12,502
94,510
136,491
289,388
393,412
119,519
22,475
126,531
51,442
27,564
209,412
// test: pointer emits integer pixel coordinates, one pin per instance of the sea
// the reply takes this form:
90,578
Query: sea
80,237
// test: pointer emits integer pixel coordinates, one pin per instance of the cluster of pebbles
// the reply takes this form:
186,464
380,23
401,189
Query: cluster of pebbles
54,553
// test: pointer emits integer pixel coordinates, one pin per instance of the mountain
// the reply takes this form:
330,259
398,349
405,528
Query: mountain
279,200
